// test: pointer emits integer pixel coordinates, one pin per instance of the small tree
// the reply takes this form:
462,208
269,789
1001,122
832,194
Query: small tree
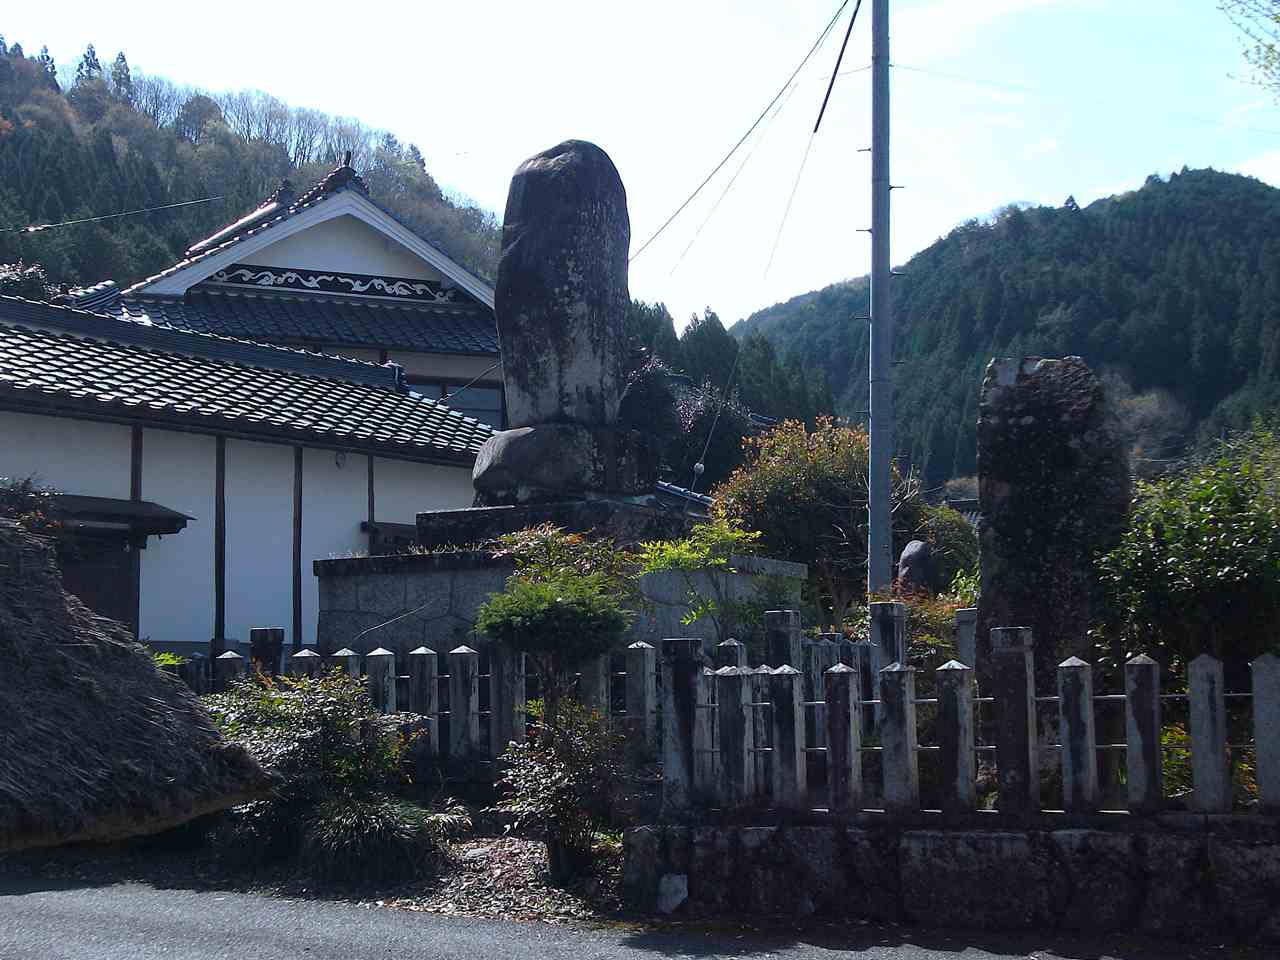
806,492
565,605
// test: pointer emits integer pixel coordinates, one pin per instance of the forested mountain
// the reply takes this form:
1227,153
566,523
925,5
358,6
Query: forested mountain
1172,291
110,140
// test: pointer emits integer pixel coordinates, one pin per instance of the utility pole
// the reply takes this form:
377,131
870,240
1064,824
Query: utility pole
880,467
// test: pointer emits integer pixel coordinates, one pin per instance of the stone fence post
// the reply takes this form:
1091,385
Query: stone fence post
380,665
681,678
506,698
1143,766
782,637
1079,739
306,663
762,727
642,696
464,703
844,738
705,756
819,657
898,737
593,684
731,653
1014,688
737,762
266,645
1210,777
227,667
348,661
790,780
888,626
1266,729
956,738
424,692
967,636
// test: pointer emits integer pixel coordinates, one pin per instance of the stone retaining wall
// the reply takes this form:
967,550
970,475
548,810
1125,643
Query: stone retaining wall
1213,877
446,589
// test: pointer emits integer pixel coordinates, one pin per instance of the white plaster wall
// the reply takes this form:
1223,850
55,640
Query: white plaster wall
177,570
335,499
71,456
402,490
259,495
347,245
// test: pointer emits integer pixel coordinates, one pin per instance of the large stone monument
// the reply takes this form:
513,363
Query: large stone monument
561,303
1054,493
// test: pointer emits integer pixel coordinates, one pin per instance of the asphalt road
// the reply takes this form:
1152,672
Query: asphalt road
119,921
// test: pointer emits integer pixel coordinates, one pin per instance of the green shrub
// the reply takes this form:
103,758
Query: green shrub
559,623
163,658
375,838
562,784
336,758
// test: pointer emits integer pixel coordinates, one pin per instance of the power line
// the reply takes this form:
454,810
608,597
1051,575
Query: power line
40,227
786,213
474,380
702,460
732,180
741,140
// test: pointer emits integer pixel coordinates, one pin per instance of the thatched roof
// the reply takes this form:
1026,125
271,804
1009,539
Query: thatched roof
96,743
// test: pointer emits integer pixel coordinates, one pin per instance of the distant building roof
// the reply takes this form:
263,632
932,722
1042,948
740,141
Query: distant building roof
432,327
55,359
967,508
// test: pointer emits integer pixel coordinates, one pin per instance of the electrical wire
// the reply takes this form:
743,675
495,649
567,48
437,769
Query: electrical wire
474,380
40,227
741,140
786,213
715,422
732,180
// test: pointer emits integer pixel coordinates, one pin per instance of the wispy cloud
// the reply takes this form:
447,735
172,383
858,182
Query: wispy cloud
1265,166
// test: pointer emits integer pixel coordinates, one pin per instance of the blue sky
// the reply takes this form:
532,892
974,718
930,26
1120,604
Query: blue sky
1082,97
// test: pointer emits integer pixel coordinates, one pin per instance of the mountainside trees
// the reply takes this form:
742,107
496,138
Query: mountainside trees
1173,289
117,140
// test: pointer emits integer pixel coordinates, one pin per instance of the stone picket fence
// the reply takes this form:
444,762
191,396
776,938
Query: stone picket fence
737,738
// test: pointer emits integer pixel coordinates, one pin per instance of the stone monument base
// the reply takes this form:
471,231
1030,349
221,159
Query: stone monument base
548,462
627,521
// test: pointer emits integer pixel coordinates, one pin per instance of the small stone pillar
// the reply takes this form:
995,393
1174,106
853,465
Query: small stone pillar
956,739
348,661
306,663
867,665
790,780
380,664
593,684
731,653
1266,730
1079,739
844,738
704,739
1211,778
642,696
1143,765
681,678
266,645
819,656
737,763
424,692
1013,686
898,737
227,667
782,637
967,636
762,725
464,703
506,698
888,627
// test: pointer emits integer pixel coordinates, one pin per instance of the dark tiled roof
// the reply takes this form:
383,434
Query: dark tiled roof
49,362
428,328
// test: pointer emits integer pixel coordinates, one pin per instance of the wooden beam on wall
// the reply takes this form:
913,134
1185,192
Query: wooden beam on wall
220,543
135,557
297,549
373,533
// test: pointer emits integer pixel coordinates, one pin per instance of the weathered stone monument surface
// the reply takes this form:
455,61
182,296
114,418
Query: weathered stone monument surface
1054,493
561,304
